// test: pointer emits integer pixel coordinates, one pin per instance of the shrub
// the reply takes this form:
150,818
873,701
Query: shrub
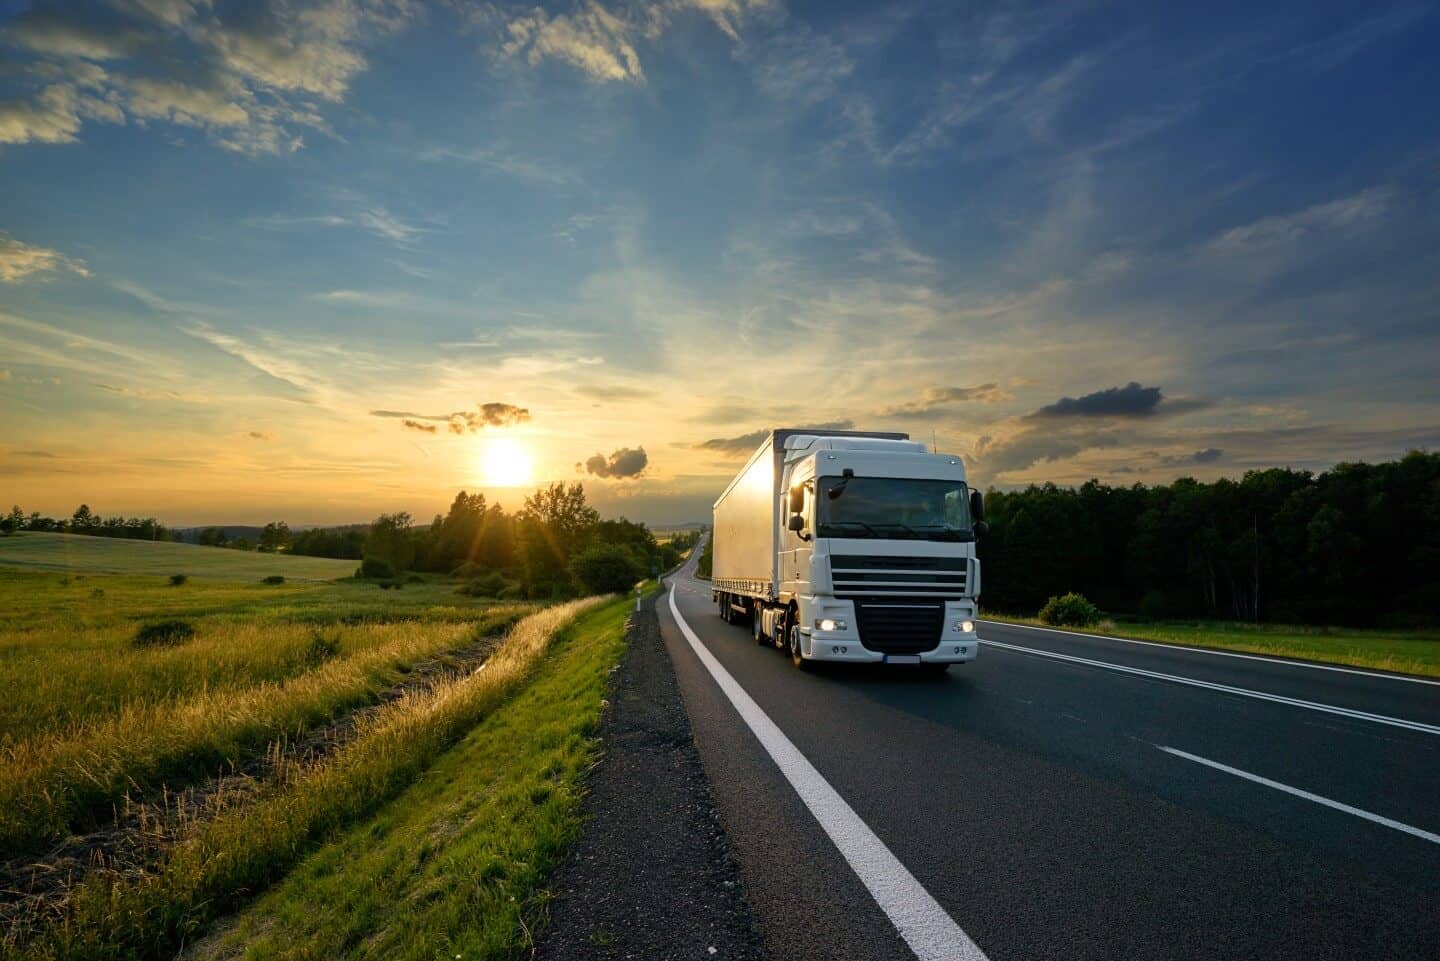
177,579
414,579
321,648
274,579
491,585
468,571
164,633
606,569
1071,610
512,593
376,568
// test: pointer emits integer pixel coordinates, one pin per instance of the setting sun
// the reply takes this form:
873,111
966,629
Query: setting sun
504,463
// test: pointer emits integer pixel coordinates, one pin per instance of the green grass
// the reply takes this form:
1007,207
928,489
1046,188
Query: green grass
87,717
81,553
229,857
455,866
1408,652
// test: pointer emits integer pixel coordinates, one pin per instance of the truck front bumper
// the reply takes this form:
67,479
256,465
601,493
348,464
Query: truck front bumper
841,640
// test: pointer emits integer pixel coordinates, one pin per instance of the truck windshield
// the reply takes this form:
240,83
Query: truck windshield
893,507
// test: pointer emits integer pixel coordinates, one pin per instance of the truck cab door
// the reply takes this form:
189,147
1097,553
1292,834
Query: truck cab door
796,553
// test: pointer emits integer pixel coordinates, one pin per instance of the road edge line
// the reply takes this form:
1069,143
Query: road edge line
924,925
1399,722
1279,659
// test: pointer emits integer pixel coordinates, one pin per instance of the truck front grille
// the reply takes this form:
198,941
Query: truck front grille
899,627
861,575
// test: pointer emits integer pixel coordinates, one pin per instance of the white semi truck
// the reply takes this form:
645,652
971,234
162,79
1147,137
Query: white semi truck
851,546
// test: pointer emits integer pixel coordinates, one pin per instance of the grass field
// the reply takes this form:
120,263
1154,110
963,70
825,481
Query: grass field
88,719
81,553
1408,652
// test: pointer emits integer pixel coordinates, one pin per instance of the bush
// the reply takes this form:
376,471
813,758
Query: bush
414,579
492,584
468,571
321,648
512,593
376,568
177,579
273,579
1071,610
606,569
164,633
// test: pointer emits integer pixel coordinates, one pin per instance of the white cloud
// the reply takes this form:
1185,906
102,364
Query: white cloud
601,42
19,260
1284,230
261,68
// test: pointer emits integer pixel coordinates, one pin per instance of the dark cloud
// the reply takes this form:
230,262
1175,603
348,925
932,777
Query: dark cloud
259,435
461,421
409,424
1207,456
936,400
745,443
1132,400
623,464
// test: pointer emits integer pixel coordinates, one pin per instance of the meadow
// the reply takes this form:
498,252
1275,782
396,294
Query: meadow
153,783
79,553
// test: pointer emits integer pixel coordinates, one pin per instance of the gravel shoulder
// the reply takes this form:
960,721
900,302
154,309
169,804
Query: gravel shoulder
652,875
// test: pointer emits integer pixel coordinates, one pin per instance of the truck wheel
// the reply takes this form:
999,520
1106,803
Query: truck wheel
796,657
725,608
755,628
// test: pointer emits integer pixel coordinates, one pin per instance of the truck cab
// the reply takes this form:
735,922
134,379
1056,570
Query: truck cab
874,551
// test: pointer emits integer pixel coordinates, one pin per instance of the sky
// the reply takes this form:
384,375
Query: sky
312,261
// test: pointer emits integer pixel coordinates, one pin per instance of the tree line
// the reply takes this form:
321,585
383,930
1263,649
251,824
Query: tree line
1357,544
555,546
85,521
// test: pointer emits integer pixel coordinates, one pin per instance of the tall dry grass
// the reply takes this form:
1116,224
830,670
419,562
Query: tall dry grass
240,851
54,782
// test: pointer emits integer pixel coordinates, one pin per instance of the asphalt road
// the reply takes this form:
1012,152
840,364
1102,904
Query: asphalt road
1088,805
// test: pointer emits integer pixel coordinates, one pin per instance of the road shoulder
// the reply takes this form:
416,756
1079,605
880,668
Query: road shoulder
652,874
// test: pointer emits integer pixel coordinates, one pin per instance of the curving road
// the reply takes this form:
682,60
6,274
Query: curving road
1069,797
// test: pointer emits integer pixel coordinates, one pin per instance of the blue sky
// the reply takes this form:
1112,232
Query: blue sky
254,257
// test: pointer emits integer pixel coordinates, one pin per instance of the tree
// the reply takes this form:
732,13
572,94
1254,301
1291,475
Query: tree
562,509
606,569
82,520
274,537
390,541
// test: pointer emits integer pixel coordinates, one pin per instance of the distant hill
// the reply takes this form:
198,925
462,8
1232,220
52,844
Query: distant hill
34,550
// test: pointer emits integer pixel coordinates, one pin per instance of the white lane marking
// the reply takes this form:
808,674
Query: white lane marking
1397,825
1205,650
1224,688
931,933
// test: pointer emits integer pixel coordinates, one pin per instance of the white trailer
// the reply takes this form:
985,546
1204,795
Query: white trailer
851,546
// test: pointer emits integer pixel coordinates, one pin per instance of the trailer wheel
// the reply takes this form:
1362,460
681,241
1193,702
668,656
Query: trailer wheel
725,608
755,631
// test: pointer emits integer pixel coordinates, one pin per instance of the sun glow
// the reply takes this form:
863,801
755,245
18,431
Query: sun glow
504,463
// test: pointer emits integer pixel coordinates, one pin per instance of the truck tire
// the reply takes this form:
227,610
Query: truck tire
755,632
725,608
796,657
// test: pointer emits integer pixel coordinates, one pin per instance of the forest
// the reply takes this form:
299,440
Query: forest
1358,544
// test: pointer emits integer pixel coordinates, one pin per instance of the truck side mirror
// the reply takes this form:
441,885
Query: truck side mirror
981,528
977,506
797,498
797,523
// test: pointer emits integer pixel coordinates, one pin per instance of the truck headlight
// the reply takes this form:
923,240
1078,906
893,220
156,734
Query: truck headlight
965,627
829,624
